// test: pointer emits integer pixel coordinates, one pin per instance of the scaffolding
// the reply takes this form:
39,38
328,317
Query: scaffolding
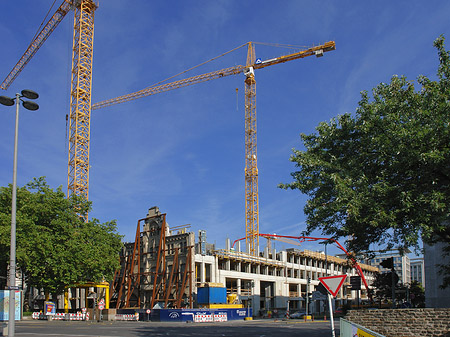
157,268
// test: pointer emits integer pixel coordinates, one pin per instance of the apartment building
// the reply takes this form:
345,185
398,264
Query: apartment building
418,270
402,265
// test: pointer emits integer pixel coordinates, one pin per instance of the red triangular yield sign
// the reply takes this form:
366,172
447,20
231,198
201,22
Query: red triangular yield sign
333,283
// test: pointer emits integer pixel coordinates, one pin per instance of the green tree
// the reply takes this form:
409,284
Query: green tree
413,293
381,175
417,294
55,247
383,286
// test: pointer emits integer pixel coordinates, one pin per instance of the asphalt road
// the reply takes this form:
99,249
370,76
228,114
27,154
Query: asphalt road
262,328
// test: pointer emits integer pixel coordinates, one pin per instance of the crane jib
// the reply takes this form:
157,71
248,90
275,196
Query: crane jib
152,90
37,42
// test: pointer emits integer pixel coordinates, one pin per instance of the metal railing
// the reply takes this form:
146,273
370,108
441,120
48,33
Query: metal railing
350,329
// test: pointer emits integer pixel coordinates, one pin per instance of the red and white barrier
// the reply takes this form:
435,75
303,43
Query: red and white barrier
220,317
202,318
62,316
121,317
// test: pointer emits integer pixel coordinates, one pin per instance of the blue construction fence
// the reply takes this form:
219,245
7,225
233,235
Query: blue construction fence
191,315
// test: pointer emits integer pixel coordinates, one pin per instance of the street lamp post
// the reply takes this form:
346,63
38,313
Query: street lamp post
29,105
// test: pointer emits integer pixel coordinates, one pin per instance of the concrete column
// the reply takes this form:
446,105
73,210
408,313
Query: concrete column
257,288
202,272
238,284
215,273
283,256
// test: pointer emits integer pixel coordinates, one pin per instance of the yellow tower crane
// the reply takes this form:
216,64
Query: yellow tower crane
251,168
80,102
80,89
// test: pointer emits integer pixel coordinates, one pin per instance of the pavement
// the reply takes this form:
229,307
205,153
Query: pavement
257,327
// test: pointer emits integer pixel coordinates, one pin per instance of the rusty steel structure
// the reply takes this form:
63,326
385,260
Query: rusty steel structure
157,268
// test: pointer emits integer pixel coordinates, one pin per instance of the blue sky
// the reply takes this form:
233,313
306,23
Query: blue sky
184,150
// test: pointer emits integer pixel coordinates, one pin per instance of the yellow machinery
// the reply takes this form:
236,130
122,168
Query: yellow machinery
96,286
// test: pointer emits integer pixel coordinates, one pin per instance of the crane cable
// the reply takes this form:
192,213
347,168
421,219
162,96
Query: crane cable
203,63
42,23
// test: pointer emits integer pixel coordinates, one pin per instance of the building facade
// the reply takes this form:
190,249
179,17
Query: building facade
273,279
418,270
402,264
435,296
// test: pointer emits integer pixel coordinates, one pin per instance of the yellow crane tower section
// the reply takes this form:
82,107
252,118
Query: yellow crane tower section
251,164
81,84
251,167
80,99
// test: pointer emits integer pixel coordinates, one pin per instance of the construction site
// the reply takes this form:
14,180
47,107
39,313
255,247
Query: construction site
172,271
174,267
168,268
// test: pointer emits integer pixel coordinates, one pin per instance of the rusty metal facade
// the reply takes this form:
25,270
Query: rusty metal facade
157,268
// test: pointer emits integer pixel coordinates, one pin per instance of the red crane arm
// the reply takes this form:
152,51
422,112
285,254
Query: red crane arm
309,238
37,42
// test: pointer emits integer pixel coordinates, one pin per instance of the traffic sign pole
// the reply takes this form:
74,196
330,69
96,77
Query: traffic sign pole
101,306
331,315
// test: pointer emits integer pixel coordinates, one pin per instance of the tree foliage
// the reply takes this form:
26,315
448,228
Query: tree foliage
55,246
383,286
413,294
381,175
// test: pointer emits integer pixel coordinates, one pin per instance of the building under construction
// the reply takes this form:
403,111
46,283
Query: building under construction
165,267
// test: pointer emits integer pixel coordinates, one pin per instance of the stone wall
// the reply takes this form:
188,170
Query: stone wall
404,322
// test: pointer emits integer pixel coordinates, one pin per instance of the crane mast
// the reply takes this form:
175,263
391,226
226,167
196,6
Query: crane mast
81,84
80,99
251,167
